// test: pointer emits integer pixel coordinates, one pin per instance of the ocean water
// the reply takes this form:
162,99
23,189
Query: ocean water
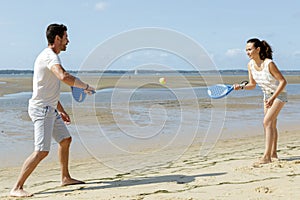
144,118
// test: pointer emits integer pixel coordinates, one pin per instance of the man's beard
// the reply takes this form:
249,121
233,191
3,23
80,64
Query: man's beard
64,48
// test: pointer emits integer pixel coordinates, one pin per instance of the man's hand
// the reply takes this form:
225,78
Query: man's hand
65,117
89,90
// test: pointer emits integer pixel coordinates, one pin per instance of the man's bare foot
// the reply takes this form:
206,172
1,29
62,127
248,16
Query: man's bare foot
71,181
261,162
19,193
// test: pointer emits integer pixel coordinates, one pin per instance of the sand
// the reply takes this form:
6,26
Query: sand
225,173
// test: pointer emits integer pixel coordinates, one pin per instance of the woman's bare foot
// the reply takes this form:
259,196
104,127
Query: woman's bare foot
261,162
19,193
71,181
274,157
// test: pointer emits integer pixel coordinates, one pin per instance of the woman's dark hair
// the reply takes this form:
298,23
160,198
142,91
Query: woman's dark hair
54,30
265,48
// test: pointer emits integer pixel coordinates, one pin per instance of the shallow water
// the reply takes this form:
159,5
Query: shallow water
152,119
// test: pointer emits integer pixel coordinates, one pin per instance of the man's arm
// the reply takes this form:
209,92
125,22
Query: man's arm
68,79
64,115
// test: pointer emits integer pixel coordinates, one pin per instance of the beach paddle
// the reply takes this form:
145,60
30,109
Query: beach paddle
221,90
79,94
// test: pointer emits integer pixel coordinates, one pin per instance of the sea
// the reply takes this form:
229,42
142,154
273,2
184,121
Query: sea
151,120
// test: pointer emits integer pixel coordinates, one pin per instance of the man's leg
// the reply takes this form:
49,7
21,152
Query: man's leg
63,153
29,165
43,126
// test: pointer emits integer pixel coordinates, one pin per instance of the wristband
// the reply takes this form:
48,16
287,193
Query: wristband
87,87
242,86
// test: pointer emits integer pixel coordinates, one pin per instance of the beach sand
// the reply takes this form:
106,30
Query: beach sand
225,173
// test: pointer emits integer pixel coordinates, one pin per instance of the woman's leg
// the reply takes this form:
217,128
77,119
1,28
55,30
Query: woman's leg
270,121
274,146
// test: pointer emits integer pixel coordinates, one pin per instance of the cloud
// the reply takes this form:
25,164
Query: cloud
164,55
4,23
296,15
129,57
233,52
296,54
101,6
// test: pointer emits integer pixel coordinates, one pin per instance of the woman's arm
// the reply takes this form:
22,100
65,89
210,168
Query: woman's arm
279,77
252,83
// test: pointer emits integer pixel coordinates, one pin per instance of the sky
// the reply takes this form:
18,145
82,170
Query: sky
220,27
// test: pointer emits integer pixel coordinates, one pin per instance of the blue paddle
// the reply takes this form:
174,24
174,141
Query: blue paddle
79,94
221,90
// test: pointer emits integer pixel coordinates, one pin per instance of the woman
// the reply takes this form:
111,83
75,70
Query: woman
263,71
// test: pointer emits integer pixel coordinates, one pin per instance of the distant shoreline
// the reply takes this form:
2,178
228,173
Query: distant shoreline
23,82
119,72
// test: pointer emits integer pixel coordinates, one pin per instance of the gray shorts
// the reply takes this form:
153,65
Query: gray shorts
282,96
47,123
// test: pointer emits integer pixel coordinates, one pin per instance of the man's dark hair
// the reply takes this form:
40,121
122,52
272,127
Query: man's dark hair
54,30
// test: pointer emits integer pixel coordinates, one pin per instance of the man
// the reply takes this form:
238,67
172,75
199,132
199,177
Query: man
45,110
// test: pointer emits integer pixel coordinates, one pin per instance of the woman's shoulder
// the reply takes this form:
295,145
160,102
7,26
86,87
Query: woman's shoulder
270,65
267,61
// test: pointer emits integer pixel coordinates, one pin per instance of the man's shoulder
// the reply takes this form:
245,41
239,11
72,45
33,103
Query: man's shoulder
48,51
47,58
47,54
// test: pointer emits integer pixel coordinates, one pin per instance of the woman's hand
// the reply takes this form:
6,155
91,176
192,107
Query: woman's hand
269,102
237,86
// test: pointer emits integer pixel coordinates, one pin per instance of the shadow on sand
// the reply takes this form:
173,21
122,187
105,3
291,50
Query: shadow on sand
99,184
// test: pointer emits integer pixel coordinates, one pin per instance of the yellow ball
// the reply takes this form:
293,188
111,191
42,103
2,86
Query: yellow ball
162,81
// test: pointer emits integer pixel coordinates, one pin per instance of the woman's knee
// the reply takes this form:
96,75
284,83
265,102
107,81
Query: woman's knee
269,123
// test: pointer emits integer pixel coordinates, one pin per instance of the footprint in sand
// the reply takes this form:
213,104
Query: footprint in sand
263,189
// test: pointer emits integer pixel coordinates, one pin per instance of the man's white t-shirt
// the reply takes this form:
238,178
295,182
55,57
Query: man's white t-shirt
46,86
